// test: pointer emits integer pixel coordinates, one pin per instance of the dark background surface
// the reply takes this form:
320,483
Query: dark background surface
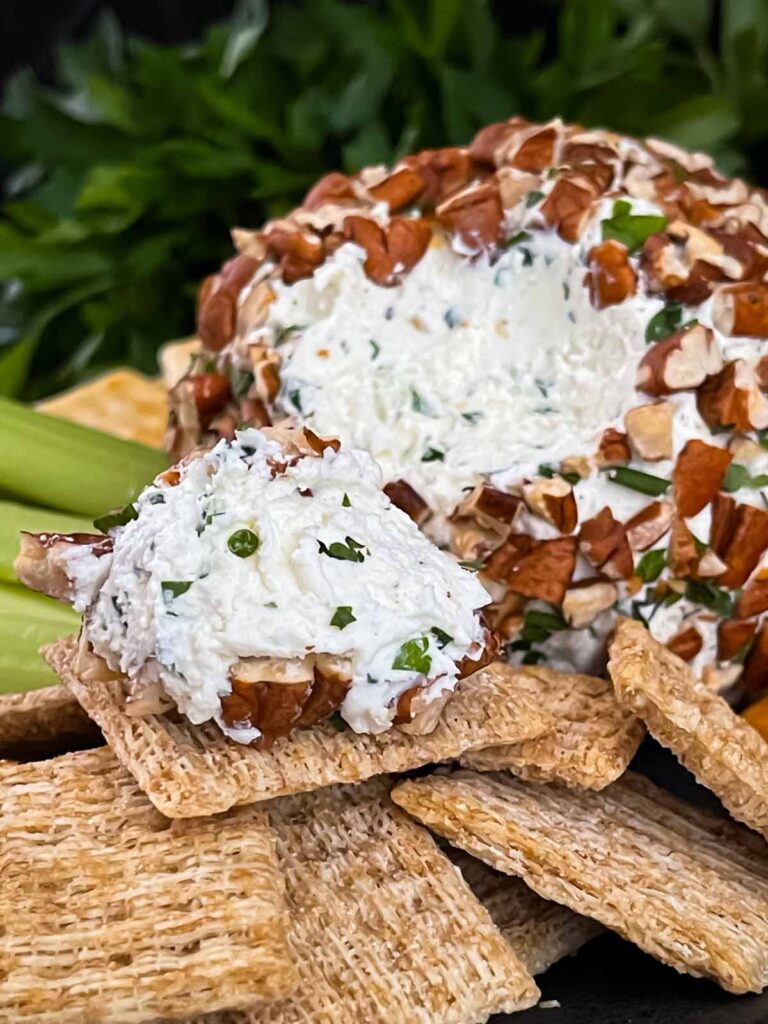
609,982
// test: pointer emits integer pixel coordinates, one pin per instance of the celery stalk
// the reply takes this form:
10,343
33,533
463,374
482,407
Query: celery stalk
64,465
28,620
15,518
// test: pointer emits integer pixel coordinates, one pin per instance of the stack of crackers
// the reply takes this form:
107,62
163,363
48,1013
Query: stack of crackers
172,874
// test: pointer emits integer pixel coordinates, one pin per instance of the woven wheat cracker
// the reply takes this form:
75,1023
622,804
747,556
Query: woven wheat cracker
539,931
688,887
593,740
111,912
384,928
189,770
43,719
722,750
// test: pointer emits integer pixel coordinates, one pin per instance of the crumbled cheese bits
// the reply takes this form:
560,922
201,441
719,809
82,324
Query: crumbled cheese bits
42,721
189,770
540,932
384,928
723,751
687,887
110,912
591,744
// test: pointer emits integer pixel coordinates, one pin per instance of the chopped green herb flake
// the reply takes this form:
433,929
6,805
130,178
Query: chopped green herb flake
243,543
549,472
664,323
338,722
175,588
413,656
417,402
442,638
369,679
433,455
710,596
451,318
343,616
521,236
345,502
271,604
283,334
117,517
375,349
635,480
472,566
629,228
295,397
762,437
347,552
157,499
533,197
651,565
472,417
738,476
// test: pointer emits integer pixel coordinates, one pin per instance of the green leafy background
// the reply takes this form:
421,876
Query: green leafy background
126,172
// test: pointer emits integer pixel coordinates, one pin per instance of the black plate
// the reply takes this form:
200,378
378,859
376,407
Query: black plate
612,982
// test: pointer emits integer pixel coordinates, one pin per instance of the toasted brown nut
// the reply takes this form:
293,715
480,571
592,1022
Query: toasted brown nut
416,713
586,600
534,148
755,675
332,679
754,599
741,309
274,708
408,500
567,207
475,215
41,561
650,430
733,635
217,301
698,475
211,392
739,536
391,251
686,644
468,666
680,362
682,555
614,449
333,188
553,500
490,506
319,444
731,398
442,171
611,278
546,571
649,525
398,189
490,144
662,263
603,542
266,371
501,564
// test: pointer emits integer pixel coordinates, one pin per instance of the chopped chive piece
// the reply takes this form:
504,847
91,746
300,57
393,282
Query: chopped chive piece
645,483
243,543
451,317
283,334
472,566
762,437
553,621
651,565
375,349
664,323
710,596
413,657
549,472
343,616
533,197
295,397
271,604
117,517
738,476
433,455
347,552
629,228
472,417
417,402
345,502
521,236
442,638
175,588
157,499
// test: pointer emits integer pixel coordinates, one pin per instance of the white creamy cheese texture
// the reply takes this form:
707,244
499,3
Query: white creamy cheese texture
465,367
180,606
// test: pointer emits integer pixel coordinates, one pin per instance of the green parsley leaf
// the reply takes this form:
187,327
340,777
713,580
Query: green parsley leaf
243,543
347,552
117,517
629,228
533,197
295,397
175,588
345,502
738,476
651,565
521,236
645,483
710,596
664,323
472,417
417,402
433,455
548,471
343,616
413,657
282,334
271,604
442,638
472,566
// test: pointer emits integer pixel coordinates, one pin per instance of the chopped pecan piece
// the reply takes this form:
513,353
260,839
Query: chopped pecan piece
266,372
567,207
533,148
211,392
649,525
408,500
552,500
682,555
391,251
686,644
650,430
417,713
611,278
680,362
698,475
586,600
332,679
739,536
733,635
398,189
604,543
546,571
42,559
475,215
490,144
507,556
468,665
731,398
333,188
217,301
443,173
755,675
754,599
300,250
471,541
490,506
614,449
741,309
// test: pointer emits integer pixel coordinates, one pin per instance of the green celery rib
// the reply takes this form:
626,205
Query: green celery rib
28,620
14,518
59,464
